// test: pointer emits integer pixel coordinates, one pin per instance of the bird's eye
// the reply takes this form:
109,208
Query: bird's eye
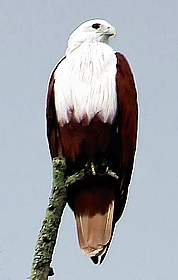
96,25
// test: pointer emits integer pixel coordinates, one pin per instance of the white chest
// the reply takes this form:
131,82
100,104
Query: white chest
85,85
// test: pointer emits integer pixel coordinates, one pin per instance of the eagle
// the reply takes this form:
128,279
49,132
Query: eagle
92,116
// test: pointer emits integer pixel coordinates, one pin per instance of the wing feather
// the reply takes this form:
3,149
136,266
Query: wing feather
52,124
127,125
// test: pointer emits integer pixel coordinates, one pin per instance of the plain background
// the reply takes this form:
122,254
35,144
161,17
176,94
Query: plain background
33,37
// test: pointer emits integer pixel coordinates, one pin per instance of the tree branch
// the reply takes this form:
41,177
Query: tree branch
48,233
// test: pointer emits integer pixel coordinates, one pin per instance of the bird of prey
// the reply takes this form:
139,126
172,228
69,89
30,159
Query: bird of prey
92,116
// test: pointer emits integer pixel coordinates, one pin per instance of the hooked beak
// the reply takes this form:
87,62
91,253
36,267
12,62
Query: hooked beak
111,31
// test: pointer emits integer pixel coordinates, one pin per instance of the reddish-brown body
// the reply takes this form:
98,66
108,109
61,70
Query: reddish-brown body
82,142
91,139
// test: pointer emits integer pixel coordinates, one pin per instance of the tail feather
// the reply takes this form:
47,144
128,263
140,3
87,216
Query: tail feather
94,210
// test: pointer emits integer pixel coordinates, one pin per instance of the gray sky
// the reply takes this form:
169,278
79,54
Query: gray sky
33,38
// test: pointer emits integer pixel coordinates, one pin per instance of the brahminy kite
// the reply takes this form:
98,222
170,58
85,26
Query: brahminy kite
92,115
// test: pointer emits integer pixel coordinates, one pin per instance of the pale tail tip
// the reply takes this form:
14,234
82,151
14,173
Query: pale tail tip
93,252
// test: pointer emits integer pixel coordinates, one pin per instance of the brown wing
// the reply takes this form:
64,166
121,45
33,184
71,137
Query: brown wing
124,143
127,123
52,125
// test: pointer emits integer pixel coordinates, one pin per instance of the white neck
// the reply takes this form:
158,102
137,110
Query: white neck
74,42
85,84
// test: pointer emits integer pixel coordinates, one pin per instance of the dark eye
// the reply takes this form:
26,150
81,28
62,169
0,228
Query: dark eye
96,25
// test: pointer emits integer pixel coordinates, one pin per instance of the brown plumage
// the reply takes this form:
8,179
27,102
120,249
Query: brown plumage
98,203
94,216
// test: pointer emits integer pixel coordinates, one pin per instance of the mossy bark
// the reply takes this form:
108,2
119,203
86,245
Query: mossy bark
48,233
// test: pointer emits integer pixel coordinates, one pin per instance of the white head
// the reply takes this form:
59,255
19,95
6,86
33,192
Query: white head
95,30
